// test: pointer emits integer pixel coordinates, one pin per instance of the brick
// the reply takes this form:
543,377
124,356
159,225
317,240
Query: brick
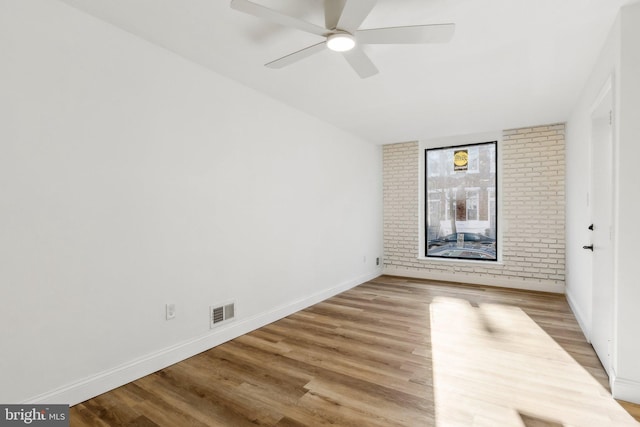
532,201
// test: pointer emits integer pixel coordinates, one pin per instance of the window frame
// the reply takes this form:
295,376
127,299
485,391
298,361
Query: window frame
493,169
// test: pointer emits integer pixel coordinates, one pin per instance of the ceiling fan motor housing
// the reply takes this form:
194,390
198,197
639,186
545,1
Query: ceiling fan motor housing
341,41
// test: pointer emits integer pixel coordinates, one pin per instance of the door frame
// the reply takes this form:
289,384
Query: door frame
606,100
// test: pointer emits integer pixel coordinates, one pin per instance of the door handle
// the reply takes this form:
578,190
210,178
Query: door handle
590,247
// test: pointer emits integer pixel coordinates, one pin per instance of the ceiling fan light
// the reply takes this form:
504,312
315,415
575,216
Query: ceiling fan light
341,42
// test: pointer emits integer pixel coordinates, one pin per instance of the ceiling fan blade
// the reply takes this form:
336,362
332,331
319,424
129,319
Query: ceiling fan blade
437,33
276,17
354,13
332,11
361,63
296,56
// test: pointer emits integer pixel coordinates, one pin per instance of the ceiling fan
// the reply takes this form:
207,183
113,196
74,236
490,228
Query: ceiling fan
342,34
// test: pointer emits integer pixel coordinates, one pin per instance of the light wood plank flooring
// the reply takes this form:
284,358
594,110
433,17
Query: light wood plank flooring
390,352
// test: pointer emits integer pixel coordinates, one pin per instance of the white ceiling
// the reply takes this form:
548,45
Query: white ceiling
511,63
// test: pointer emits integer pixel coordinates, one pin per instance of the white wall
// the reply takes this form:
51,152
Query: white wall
628,280
578,145
131,178
620,59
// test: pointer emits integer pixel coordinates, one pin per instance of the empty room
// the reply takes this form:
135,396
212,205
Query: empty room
319,212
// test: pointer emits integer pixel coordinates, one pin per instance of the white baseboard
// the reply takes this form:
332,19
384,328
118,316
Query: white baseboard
543,286
579,315
102,382
624,389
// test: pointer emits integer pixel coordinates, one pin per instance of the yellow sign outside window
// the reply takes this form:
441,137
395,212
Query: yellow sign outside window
460,160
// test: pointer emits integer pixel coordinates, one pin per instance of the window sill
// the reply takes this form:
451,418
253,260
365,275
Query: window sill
459,261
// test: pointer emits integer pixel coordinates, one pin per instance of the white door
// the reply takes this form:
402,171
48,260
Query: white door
602,216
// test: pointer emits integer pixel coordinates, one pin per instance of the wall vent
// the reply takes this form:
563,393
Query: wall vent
220,314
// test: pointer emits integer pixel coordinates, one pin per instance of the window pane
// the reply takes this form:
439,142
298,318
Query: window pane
461,202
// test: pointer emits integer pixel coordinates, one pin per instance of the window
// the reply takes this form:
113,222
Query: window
472,204
474,160
434,165
461,202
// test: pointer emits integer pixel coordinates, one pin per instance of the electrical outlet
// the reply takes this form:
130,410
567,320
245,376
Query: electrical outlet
170,311
378,261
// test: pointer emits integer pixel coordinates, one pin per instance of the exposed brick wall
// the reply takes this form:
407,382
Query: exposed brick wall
400,189
532,203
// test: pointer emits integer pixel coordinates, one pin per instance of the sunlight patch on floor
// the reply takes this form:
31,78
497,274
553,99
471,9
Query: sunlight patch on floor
494,366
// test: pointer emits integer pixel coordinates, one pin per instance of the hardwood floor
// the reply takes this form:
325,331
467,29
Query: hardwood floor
390,352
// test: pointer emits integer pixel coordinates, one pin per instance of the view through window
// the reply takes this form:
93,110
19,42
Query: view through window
461,202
